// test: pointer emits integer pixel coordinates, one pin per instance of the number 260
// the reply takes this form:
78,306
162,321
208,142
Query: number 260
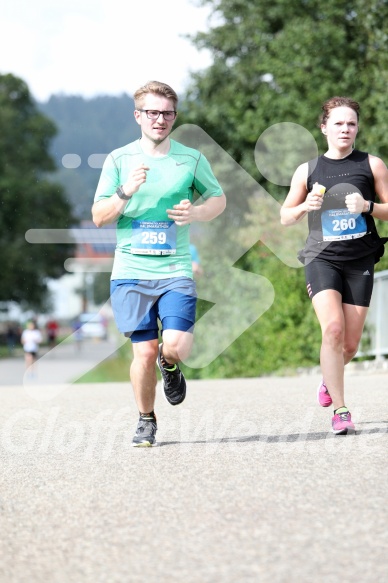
344,224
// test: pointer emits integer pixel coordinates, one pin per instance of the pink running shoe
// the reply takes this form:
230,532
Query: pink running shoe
324,398
342,422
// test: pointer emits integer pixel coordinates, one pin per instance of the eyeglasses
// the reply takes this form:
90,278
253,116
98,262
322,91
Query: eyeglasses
154,114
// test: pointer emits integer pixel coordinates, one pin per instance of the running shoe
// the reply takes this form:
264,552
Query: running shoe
173,381
145,435
342,422
324,398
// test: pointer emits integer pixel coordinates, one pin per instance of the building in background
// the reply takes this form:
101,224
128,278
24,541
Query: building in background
72,294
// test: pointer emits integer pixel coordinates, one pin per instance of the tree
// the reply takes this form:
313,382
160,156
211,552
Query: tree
101,287
88,127
276,61
29,200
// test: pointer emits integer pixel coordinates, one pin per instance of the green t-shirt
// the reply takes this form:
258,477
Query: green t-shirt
149,244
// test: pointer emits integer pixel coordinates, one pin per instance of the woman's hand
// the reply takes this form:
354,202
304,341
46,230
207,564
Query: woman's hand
314,199
355,203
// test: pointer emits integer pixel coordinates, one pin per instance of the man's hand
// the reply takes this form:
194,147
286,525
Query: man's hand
135,179
182,213
185,213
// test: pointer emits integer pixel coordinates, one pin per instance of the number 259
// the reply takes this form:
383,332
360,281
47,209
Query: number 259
153,237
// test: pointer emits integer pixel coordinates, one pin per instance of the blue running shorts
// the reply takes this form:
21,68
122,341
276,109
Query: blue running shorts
139,304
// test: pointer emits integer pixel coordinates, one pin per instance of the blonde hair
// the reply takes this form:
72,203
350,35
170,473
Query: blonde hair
334,102
157,88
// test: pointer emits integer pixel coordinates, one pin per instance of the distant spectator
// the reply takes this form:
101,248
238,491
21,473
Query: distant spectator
31,339
11,337
195,261
77,331
52,332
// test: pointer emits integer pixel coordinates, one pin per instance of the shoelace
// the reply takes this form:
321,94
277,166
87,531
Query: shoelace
146,423
345,416
170,379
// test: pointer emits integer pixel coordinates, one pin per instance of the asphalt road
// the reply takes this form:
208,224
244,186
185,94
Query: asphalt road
66,362
247,484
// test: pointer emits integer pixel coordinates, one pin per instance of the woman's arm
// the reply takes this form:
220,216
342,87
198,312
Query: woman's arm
294,207
299,201
380,174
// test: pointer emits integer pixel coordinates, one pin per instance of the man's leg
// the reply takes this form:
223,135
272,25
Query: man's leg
143,374
143,378
176,346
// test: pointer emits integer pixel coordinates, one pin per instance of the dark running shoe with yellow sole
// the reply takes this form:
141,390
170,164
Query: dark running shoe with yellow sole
173,381
145,435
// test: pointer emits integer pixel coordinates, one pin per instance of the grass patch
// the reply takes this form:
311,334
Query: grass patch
114,369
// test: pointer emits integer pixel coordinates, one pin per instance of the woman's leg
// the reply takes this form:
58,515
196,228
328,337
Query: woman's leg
342,326
354,325
329,310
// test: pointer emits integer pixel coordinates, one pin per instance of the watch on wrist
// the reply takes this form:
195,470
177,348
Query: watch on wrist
370,209
121,194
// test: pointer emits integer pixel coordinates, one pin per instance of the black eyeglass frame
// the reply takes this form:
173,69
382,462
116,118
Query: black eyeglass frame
147,111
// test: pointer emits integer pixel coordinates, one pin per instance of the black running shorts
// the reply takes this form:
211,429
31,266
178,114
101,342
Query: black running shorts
352,279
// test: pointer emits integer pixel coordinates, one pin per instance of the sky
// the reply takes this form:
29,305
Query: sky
100,47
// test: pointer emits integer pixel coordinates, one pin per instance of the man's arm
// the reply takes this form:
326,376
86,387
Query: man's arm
108,210
185,213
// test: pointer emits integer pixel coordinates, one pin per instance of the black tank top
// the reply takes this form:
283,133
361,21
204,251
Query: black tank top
334,233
